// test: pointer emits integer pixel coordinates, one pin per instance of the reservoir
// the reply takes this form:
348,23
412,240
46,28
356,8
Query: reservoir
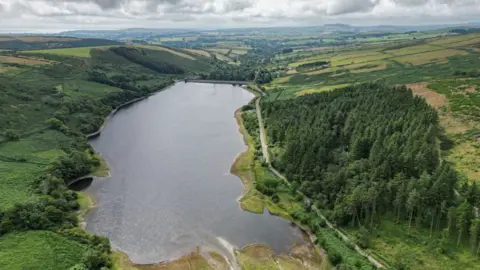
170,189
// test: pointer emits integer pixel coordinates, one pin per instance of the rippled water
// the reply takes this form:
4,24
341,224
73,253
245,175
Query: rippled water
170,189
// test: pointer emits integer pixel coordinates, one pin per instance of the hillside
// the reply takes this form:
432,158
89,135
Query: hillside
368,158
49,100
22,43
351,147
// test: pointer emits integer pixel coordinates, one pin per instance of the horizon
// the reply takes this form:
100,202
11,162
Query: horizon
436,26
53,16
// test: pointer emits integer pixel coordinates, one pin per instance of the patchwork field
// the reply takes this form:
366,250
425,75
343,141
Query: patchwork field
161,48
440,56
199,52
413,49
418,61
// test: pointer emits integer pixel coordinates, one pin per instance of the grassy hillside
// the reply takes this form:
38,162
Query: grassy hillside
38,250
22,43
49,100
445,71
397,64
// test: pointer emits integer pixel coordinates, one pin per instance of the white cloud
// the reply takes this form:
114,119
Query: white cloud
51,15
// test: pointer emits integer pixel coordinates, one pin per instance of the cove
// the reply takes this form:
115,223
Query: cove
170,189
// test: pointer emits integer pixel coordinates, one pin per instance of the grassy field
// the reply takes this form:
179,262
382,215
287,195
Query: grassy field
321,89
161,48
83,52
415,248
199,52
430,57
38,250
76,89
23,60
405,63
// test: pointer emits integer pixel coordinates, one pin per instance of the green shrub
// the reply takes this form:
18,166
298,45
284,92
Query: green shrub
335,257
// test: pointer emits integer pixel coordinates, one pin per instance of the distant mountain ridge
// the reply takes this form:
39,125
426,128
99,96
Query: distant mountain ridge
147,33
27,42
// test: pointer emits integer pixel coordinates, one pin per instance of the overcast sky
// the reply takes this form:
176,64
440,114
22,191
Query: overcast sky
56,15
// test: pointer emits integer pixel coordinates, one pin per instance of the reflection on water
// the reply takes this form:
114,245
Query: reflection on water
171,189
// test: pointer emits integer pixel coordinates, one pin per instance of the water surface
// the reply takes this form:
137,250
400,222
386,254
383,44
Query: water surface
171,189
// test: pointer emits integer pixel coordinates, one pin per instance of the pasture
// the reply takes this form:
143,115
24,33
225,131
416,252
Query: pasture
83,52
439,56
22,60
161,48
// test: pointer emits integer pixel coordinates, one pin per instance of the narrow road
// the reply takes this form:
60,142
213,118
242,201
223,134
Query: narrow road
263,140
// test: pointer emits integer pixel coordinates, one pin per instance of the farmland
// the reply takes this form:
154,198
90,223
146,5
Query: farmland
386,61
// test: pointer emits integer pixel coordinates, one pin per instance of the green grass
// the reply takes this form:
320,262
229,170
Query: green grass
78,88
429,57
38,250
419,67
83,52
40,147
414,49
322,89
21,161
421,250
463,104
16,180
161,48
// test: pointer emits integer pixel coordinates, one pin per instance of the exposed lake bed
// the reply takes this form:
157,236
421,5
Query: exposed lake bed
170,191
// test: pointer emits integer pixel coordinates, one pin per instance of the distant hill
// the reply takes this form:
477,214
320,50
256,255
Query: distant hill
22,43
131,33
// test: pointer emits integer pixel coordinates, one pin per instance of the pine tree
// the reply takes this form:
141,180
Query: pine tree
411,203
474,234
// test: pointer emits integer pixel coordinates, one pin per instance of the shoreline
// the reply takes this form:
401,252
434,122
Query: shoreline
247,179
115,110
204,256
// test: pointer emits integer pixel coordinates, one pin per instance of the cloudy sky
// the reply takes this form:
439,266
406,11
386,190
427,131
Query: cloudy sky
57,15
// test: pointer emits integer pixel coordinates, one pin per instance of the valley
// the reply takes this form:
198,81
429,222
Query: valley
376,134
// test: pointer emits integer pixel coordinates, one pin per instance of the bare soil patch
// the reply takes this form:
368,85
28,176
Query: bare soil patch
193,261
433,98
308,254
453,125
23,60
472,89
